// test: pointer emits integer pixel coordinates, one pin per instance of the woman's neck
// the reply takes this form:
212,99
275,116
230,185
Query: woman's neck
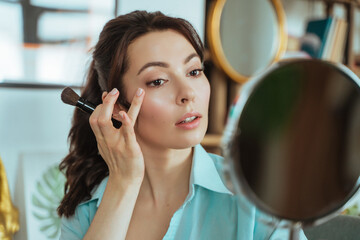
167,174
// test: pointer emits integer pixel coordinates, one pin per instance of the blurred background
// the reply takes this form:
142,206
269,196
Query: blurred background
44,46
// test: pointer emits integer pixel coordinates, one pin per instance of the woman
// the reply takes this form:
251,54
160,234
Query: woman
150,179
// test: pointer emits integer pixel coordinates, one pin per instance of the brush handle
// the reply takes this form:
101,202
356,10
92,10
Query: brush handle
88,107
85,105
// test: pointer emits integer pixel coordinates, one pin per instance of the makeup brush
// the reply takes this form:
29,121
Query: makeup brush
70,97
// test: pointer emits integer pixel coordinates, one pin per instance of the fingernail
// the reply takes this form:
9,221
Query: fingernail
113,92
139,92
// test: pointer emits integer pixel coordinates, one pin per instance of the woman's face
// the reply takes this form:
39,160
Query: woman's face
174,113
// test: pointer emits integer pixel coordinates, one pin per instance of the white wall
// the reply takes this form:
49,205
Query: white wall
31,122
191,10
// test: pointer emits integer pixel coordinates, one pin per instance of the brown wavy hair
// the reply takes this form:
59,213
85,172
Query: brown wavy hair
83,166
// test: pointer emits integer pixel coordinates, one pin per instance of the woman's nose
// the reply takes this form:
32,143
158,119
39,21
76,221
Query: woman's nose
186,94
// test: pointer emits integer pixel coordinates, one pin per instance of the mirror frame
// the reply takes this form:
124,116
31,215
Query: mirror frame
214,38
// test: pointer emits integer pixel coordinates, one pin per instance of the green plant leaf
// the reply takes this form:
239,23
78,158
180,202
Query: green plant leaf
49,197
40,217
38,203
46,199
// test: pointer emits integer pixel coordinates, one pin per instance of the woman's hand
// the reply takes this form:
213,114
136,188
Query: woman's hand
118,147
123,156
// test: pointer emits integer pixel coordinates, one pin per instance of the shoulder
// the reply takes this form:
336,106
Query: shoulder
98,191
75,226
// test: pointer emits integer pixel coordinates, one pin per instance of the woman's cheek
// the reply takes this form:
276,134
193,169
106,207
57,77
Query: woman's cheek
205,93
154,108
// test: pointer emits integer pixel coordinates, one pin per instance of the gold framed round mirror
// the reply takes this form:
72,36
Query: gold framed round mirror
246,36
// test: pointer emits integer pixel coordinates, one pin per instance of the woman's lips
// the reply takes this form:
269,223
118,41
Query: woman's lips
189,121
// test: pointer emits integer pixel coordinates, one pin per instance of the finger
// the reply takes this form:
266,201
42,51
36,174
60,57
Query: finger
136,105
104,94
104,118
127,128
94,124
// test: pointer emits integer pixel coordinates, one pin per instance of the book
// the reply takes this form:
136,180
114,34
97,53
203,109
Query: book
326,38
316,36
338,48
330,40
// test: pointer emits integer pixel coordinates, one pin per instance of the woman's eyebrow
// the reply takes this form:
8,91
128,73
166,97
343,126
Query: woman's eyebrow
151,64
165,65
190,57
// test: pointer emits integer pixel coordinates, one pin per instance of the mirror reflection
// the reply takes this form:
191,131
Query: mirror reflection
295,151
249,34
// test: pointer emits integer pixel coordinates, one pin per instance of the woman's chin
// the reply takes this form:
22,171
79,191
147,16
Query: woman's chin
189,141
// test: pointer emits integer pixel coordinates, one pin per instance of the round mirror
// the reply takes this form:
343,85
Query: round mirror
246,36
292,140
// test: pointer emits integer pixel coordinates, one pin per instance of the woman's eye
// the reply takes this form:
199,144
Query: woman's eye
156,83
195,72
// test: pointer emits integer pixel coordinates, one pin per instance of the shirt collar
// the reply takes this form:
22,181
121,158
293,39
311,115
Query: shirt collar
203,173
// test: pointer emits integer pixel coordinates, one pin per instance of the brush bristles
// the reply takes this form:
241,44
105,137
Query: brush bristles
68,96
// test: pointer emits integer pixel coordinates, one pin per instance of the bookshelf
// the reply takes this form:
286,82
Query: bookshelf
225,79
349,6
218,105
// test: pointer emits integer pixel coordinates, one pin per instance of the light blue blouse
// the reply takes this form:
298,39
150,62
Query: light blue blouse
210,210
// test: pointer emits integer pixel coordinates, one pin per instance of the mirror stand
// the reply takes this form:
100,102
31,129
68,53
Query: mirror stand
295,231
